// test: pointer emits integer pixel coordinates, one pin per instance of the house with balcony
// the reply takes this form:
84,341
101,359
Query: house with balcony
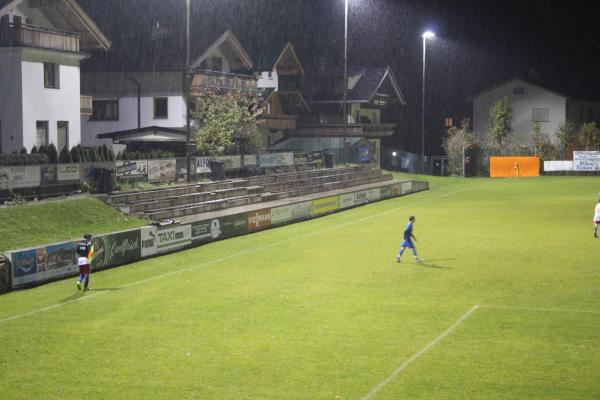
370,92
141,103
41,46
280,75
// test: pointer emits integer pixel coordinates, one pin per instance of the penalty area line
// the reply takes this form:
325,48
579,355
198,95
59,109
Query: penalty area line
240,253
541,309
418,354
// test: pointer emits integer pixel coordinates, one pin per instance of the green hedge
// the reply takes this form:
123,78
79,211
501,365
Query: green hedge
23,159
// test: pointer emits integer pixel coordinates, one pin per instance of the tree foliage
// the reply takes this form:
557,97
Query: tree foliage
589,135
500,121
566,133
456,143
224,117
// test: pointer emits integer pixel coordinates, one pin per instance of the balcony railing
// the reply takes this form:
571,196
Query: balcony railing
278,121
23,35
86,105
223,80
351,130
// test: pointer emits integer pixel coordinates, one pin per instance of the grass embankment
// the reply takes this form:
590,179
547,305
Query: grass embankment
321,310
33,224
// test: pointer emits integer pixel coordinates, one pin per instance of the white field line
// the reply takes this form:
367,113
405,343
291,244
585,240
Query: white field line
408,362
541,309
240,253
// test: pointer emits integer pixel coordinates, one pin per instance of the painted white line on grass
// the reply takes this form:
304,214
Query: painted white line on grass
419,354
218,260
564,310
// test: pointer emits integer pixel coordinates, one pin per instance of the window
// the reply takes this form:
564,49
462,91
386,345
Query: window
105,110
540,115
448,122
217,64
519,91
161,108
51,76
62,135
41,133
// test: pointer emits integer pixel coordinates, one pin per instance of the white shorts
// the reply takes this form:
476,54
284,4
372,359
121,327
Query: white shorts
82,261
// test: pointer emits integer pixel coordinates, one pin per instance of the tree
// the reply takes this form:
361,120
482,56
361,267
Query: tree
23,151
458,141
222,116
566,133
65,156
500,121
589,135
52,154
76,154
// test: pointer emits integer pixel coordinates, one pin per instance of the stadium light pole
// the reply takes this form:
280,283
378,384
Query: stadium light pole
345,100
426,35
186,86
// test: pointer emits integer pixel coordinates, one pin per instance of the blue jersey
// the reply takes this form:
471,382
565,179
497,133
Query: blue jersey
408,232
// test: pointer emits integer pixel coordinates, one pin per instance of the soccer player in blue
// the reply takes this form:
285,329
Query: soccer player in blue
407,242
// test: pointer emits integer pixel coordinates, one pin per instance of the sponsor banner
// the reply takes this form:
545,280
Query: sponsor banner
259,219
202,165
385,192
551,166
374,194
285,158
249,160
133,169
324,205
396,189
148,241
43,263
22,176
267,160
173,238
205,231
281,215
586,160
234,225
67,172
48,174
24,267
86,170
406,187
162,170
361,197
116,248
300,210
347,200
230,162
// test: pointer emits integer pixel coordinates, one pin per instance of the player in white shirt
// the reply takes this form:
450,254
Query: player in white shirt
596,219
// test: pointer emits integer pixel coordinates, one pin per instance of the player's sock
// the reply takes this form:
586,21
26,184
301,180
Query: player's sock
596,231
86,281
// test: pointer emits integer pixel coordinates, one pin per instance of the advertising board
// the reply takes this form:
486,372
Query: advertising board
586,161
173,237
162,170
132,169
20,176
324,205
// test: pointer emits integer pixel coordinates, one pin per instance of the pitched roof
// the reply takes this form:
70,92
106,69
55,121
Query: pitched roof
85,25
226,37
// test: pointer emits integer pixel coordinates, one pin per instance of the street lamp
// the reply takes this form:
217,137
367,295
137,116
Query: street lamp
426,35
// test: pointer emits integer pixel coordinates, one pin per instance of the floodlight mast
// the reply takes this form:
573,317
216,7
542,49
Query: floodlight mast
426,35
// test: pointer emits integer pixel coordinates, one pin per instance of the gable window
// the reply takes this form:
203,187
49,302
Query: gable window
216,64
51,80
540,115
161,108
448,122
41,133
105,110
519,91
62,135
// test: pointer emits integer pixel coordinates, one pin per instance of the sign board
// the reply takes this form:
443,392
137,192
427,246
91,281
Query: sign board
267,160
249,160
40,264
324,205
173,238
116,248
347,200
162,170
285,158
234,225
586,160
148,241
205,231
555,166
86,170
67,172
259,219
21,176
134,169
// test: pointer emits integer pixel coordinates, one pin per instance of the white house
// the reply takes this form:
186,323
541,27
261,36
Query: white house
531,103
146,106
41,47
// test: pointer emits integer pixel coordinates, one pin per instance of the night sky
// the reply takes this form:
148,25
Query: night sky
479,43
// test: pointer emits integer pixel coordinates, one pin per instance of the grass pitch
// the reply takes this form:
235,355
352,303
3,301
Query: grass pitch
506,306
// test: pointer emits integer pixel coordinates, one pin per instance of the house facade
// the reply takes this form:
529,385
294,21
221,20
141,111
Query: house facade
531,103
146,107
41,46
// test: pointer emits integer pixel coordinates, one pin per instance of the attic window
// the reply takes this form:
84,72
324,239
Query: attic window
519,91
216,64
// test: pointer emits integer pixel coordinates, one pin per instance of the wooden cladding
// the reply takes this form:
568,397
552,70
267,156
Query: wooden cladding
22,35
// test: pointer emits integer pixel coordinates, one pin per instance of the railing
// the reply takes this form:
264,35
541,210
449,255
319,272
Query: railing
86,105
371,130
278,121
22,35
226,81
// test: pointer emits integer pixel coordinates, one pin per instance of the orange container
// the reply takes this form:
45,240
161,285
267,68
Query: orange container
514,166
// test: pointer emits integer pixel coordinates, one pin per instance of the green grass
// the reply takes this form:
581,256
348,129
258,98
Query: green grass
321,310
33,224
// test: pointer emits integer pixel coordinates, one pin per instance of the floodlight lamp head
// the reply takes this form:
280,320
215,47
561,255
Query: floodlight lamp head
428,35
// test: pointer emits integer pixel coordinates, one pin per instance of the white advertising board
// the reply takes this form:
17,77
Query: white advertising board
555,166
586,160
22,176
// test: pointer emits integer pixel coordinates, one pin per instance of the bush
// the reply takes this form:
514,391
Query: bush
65,156
76,154
23,151
23,159
52,154
34,150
